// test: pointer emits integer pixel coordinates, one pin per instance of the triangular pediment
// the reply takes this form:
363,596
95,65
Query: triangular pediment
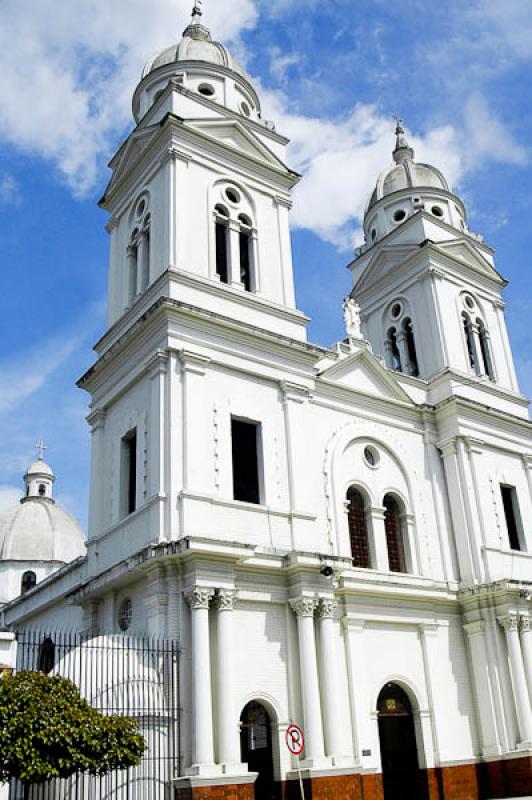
130,153
466,252
233,134
386,259
363,372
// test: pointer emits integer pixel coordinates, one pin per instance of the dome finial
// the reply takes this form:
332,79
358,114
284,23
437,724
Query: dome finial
403,151
195,29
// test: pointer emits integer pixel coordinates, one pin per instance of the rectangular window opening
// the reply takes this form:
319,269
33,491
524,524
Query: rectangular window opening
221,251
129,473
512,516
245,439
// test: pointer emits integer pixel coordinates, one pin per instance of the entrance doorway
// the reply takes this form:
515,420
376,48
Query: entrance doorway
400,765
256,748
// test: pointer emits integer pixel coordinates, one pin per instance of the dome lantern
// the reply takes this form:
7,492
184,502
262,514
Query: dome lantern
39,478
405,188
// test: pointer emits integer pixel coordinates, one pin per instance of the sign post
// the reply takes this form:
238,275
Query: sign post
295,741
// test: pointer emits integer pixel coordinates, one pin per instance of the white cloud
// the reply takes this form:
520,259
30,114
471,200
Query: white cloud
69,69
280,64
9,495
10,192
489,139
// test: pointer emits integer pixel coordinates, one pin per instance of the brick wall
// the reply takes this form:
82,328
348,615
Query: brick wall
496,779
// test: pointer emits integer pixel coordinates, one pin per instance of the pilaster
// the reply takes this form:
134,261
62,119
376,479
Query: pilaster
510,624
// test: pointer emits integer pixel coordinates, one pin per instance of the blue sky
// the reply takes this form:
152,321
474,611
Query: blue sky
331,75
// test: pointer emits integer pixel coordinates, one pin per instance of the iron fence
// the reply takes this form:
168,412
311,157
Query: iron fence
131,676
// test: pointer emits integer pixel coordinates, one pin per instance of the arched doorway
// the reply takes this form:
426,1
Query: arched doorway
400,765
256,748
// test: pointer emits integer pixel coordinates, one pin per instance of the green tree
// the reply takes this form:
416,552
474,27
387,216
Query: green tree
47,730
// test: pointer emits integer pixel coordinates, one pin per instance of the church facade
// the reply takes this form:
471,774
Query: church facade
337,537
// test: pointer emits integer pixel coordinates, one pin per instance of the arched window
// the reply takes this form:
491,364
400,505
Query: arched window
470,342
394,535
358,530
29,580
138,251
485,349
408,329
144,252
392,349
46,656
221,235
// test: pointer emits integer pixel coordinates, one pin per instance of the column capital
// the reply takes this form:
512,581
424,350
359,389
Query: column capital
303,606
527,460
198,597
158,364
474,628
448,447
193,362
326,608
285,202
294,391
225,599
525,624
353,624
376,512
510,623
474,445
96,419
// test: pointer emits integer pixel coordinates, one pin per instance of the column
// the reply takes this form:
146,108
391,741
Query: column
406,366
226,712
157,441
378,546
483,690
132,269
283,206
478,349
525,629
194,447
314,746
142,256
96,503
410,544
468,557
233,254
510,625
254,262
331,699
202,734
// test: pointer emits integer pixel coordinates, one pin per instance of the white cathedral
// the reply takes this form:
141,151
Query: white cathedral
337,537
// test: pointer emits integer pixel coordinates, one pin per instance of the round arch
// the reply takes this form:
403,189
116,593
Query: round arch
401,742
259,743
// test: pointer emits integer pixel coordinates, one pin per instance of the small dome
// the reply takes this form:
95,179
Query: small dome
37,530
406,173
196,45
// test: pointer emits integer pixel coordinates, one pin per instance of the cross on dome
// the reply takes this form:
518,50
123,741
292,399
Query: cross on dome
41,447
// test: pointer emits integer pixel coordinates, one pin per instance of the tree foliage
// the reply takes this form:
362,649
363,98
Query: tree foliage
47,730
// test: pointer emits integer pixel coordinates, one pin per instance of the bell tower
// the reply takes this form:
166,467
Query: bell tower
428,288
200,193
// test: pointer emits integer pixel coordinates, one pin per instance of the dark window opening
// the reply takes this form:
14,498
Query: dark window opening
358,530
133,274
245,446
485,350
42,490
394,535
470,344
245,261
411,347
512,516
29,580
395,355
129,473
46,656
221,251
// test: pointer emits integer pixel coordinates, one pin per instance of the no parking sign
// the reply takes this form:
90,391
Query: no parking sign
295,741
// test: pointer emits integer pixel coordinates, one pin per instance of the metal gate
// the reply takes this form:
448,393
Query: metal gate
131,676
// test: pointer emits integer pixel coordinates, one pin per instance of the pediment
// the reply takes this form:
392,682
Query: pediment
363,372
130,153
385,260
233,134
464,251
